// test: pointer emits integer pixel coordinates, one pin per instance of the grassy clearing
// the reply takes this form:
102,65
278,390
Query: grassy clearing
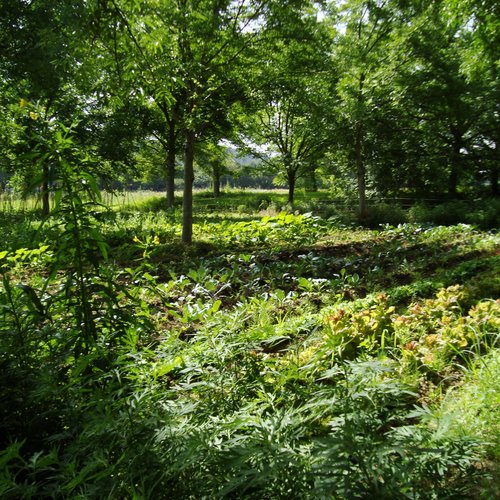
281,356
13,203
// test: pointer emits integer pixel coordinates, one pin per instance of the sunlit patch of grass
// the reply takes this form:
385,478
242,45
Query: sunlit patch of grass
472,409
14,202
129,199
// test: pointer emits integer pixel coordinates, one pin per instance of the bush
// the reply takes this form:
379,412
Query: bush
486,214
483,213
449,214
384,213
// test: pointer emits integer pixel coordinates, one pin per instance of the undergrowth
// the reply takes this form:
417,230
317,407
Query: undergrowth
283,357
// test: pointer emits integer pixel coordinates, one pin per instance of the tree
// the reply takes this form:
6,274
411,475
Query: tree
183,55
41,47
479,63
287,135
288,130
216,160
362,60
435,131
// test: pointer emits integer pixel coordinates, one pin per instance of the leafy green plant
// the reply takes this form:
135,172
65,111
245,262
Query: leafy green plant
367,330
373,450
280,230
63,323
436,332
471,409
256,367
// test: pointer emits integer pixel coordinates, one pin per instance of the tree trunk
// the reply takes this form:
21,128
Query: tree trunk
312,182
455,165
187,200
291,186
495,170
358,152
453,182
494,180
360,170
171,165
216,182
45,191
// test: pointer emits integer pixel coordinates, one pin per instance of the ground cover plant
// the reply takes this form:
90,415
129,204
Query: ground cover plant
333,337
280,356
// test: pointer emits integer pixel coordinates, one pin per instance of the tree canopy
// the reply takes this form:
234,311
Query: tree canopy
398,98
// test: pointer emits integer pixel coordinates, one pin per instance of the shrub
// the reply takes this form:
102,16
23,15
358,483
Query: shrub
367,330
482,213
384,214
485,214
451,213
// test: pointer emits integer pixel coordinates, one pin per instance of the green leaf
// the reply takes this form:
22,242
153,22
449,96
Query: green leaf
216,306
58,198
92,183
103,247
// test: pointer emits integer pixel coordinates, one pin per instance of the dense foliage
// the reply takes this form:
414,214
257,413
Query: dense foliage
279,357
339,342
369,99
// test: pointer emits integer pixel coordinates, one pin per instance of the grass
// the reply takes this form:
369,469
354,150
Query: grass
11,202
472,408
280,356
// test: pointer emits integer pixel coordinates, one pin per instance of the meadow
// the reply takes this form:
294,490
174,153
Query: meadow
283,354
